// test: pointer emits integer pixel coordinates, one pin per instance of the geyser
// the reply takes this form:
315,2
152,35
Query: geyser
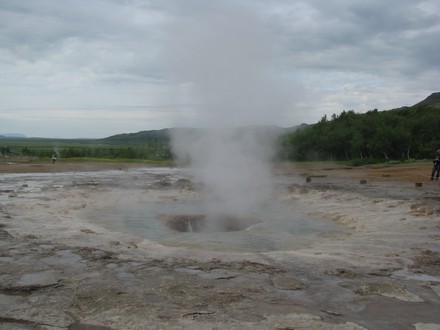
232,166
220,54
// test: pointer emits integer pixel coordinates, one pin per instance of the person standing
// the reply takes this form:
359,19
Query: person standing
54,157
436,166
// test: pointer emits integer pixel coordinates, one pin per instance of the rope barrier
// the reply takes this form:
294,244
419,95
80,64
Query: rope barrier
398,177
391,178
427,176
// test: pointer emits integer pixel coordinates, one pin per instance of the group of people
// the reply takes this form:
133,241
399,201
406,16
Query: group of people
436,166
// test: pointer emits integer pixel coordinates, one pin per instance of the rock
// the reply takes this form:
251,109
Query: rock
184,184
80,326
341,272
427,262
391,290
287,282
162,184
5,235
427,326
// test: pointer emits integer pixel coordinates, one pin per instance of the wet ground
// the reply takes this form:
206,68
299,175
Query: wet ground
67,264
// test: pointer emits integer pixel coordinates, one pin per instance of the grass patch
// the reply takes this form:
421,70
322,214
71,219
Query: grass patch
107,161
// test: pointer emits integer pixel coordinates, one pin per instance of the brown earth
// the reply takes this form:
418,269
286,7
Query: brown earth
30,165
409,172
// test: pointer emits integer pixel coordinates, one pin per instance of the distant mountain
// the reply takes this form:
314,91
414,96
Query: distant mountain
13,136
139,137
165,134
434,98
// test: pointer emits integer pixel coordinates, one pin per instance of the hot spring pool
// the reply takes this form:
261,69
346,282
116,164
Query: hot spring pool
151,204
167,216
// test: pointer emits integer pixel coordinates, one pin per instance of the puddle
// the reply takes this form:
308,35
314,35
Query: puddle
403,273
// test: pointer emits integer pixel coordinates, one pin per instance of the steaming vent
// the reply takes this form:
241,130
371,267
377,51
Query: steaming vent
207,223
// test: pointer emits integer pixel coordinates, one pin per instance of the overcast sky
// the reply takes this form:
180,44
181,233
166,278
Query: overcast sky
95,68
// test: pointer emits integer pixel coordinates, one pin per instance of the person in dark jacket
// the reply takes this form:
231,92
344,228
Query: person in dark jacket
54,157
436,166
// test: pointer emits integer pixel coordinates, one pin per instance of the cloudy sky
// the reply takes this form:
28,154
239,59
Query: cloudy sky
94,68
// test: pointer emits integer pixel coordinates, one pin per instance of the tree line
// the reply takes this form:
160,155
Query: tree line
148,152
399,134
375,136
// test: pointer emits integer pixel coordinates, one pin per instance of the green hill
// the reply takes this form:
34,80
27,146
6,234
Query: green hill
142,137
397,134
434,98
164,135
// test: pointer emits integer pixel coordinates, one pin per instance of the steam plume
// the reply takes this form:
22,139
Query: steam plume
220,54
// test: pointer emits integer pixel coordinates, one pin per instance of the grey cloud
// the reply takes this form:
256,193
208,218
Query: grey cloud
348,35
99,36
325,55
